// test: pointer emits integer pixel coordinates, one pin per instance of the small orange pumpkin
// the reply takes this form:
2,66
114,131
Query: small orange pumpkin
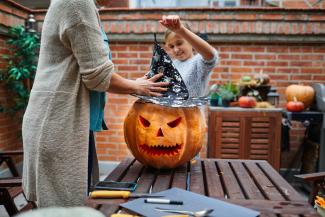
163,137
295,106
247,102
304,94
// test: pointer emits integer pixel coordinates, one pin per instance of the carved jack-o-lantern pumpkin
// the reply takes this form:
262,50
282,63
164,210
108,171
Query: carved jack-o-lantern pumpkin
163,137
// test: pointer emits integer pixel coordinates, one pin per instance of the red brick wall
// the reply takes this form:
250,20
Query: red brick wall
285,64
10,129
285,61
287,3
303,4
114,4
283,43
12,14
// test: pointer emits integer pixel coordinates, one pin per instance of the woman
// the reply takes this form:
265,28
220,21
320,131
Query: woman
72,62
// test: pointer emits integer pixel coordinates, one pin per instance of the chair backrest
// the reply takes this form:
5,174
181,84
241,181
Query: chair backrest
10,188
317,181
6,157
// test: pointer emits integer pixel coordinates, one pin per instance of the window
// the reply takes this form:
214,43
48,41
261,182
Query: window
182,3
225,3
152,3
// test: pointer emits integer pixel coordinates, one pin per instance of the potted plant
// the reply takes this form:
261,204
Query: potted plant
222,95
214,98
22,62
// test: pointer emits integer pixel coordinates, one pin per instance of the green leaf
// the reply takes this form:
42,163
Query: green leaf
22,64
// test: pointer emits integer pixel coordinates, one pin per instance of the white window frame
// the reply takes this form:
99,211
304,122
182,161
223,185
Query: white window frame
221,3
176,3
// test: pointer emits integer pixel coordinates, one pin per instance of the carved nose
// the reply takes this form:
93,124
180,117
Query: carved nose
160,133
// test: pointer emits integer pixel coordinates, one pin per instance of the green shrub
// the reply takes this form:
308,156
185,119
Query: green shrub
227,91
22,63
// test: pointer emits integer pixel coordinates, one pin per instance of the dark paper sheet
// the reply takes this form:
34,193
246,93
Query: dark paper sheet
191,202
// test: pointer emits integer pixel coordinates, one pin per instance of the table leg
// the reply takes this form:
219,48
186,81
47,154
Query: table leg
11,165
322,146
8,202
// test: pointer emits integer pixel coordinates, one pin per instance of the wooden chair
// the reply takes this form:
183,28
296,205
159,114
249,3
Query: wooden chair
317,181
10,188
6,157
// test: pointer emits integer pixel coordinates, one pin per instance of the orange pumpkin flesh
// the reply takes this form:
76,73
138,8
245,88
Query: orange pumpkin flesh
163,137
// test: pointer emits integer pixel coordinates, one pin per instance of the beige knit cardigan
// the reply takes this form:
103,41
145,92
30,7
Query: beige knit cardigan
72,61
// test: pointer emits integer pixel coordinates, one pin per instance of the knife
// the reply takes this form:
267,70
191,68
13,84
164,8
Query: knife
119,194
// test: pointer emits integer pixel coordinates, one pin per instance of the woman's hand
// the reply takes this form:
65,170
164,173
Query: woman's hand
147,86
172,22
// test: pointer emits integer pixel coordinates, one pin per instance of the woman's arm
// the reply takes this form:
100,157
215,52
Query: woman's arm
84,38
141,86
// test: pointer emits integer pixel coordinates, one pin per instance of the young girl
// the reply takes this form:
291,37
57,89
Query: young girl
194,69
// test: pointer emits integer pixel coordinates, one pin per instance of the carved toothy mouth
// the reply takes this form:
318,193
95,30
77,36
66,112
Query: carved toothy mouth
161,149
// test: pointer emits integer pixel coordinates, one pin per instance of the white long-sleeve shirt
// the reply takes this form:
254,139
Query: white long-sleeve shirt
196,73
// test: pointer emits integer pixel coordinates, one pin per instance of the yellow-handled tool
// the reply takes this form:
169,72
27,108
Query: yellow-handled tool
128,215
123,215
118,194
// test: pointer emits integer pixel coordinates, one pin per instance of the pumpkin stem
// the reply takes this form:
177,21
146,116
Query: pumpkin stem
295,99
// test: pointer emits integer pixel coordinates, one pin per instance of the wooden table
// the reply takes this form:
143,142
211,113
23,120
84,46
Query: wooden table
250,183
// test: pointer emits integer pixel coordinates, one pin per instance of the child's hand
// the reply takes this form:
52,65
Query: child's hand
172,22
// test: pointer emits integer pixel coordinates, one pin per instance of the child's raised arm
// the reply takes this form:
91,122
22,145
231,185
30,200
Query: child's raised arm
173,22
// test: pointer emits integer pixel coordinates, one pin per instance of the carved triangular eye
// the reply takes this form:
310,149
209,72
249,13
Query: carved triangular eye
174,123
144,121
